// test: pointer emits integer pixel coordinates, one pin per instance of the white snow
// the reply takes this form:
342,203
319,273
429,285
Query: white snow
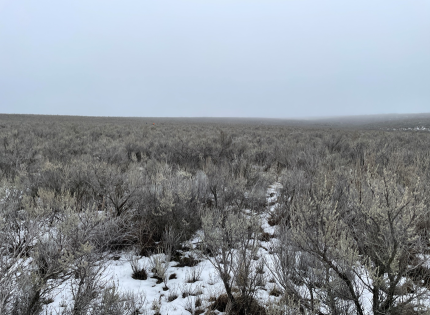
209,286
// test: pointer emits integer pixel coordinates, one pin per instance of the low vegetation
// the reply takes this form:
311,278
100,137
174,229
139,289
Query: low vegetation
350,214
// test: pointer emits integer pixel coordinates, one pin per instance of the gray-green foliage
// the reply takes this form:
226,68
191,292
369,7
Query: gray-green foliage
367,243
350,198
230,242
108,300
45,244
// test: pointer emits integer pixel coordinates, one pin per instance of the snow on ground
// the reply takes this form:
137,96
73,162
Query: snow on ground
120,272
157,295
418,128
181,294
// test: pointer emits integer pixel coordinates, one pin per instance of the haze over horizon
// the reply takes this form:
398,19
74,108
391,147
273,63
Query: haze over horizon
214,58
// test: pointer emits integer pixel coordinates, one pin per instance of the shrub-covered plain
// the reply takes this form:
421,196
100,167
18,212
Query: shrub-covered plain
350,215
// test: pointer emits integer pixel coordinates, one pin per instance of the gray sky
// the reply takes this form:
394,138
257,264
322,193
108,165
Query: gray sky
243,58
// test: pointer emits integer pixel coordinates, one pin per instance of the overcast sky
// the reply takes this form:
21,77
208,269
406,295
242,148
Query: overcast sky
241,58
